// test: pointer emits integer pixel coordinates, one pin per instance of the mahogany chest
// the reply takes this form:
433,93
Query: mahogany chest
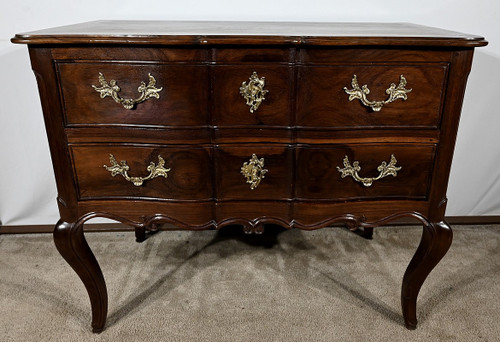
208,124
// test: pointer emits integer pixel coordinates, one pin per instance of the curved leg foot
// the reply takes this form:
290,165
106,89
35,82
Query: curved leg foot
364,232
140,231
253,229
140,234
435,242
71,243
367,233
359,229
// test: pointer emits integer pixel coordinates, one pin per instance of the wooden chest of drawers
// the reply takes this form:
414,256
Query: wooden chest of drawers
208,124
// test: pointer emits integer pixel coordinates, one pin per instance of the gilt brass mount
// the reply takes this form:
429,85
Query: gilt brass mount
254,171
254,91
385,170
122,169
394,92
112,89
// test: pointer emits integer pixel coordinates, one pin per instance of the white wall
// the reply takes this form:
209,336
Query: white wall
27,186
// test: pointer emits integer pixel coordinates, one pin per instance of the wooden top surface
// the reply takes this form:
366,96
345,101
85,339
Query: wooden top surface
246,32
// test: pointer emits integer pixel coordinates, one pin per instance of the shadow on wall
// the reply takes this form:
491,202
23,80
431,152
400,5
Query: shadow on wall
474,187
27,183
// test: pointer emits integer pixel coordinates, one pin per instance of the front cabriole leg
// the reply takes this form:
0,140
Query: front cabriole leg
71,243
435,242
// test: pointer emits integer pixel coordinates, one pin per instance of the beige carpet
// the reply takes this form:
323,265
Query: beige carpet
327,285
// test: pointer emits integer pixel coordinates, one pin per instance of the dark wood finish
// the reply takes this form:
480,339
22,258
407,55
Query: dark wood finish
138,134
71,243
274,110
112,227
231,184
318,178
165,55
248,32
183,100
245,55
189,177
43,67
365,135
362,54
460,66
204,130
436,240
322,100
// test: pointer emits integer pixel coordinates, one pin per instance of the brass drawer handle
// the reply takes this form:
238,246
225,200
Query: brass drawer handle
254,91
122,169
394,92
112,89
384,169
254,171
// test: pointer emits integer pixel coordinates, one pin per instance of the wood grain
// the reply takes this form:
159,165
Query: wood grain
230,108
182,101
189,177
318,177
322,100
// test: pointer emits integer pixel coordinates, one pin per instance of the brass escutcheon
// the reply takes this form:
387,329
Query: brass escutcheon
254,91
254,171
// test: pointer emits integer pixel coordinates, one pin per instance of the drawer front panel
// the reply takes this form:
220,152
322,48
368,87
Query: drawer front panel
182,101
318,175
275,182
230,107
188,175
323,101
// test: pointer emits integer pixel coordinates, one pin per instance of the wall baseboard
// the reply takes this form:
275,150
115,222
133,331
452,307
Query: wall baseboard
473,220
110,227
48,228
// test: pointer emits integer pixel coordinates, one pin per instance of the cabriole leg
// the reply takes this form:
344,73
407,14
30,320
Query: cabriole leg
71,243
435,242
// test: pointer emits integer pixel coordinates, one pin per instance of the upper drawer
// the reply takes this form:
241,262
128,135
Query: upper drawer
268,91
323,99
182,100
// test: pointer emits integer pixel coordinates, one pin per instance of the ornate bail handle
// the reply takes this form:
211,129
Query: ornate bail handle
394,92
384,169
112,89
122,169
254,91
254,171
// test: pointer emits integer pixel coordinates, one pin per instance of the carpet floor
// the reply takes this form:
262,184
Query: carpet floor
325,285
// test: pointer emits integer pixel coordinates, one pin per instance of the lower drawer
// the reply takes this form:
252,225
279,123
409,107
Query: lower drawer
254,172
350,172
122,171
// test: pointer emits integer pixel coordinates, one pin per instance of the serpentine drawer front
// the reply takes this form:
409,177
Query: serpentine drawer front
211,124
231,108
119,171
353,96
384,171
175,94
